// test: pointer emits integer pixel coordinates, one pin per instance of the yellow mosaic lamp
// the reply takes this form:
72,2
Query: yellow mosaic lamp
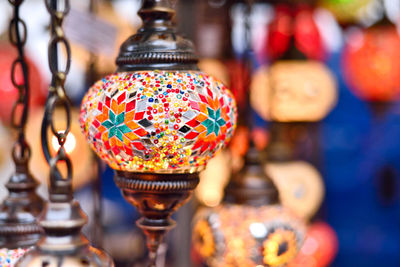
251,228
157,120
293,91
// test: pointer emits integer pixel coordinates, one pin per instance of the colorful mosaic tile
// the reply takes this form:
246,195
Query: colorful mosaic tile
8,258
237,235
158,121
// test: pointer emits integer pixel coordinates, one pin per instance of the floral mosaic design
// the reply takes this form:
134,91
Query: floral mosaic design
263,236
158,121
8,258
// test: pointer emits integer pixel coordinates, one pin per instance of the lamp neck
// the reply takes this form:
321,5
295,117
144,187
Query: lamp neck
157,45
251,185
18,211
156,12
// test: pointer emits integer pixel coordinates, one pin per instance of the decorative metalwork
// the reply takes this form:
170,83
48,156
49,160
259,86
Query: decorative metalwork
63,243
18,226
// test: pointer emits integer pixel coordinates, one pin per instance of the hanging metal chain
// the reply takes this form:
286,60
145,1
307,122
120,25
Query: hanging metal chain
19,115
60,185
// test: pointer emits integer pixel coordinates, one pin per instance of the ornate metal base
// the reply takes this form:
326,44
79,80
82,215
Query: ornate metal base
63,243
156,196
18,212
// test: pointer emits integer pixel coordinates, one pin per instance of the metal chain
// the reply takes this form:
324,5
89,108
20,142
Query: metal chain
21,151
60,185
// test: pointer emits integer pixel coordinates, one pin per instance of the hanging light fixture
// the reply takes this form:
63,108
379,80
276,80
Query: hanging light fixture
157,120
62,219
371,62
297,86
19,230
251,227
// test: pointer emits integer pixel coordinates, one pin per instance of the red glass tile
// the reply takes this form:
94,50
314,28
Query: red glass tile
139,115
191,135
193,123
131,105
141,132
121,98
138,146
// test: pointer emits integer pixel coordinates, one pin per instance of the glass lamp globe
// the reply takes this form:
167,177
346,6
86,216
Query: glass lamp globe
293,90
300,186
248,236
158,121
371,63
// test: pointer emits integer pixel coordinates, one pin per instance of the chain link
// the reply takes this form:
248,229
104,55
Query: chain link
19,112
60,185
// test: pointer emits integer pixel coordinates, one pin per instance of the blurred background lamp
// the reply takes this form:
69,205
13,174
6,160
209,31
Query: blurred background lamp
8,94
300,186
250,227
371,62
293,90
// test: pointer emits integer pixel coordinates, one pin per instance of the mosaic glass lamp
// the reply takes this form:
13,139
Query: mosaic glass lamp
371,62
251,228
157,120
293,91
297,87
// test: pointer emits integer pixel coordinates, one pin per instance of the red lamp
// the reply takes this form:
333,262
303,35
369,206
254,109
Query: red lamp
8,94
296,25
371,63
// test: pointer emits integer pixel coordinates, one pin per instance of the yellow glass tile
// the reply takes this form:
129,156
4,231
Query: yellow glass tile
131,136
121,108
131,124
129,116
114,106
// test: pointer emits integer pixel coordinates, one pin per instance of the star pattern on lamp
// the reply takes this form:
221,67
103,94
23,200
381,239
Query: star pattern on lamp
116,126
214,121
